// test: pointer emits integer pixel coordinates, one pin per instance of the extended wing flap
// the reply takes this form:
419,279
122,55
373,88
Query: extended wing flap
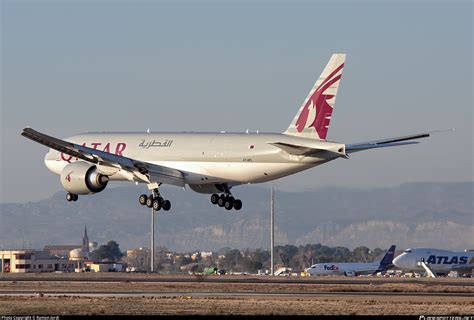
144,171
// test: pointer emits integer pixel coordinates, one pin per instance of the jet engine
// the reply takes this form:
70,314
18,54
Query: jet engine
82,178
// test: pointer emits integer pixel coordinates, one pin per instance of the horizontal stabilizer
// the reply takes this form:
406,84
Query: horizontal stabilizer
391,142
367,146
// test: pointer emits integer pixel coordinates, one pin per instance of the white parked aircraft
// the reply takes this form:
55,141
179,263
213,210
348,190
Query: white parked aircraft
353,269
210,163
439,261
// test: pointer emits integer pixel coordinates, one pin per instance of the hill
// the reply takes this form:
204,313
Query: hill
409,215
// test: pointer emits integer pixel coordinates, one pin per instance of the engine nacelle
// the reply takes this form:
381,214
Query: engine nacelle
82,178
206,188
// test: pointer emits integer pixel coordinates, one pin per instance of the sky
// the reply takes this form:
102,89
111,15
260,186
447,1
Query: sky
75,66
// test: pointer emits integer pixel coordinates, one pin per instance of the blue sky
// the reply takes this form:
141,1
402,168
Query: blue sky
75,66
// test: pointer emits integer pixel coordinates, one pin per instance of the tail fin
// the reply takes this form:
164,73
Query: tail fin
387,259
313,117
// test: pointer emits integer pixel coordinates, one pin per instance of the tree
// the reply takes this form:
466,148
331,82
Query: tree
254,260
341,254
323,254
361,254
109,251
231,260
286,253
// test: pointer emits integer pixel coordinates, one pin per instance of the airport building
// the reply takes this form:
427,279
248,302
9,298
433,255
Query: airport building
65,258
29,260
103,266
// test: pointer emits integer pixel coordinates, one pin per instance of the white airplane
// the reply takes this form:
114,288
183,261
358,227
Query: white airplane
353,269
439,261
209,163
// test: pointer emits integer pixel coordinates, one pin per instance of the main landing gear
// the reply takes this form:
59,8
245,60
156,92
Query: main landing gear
71,197
227,201
155,201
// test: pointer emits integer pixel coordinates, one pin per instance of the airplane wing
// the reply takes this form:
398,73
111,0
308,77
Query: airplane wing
364,271
463,267
141,170
391,142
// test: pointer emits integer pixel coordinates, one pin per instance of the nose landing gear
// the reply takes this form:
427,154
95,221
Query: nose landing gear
71,197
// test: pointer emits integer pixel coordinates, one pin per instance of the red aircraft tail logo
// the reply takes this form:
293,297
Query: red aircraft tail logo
318,100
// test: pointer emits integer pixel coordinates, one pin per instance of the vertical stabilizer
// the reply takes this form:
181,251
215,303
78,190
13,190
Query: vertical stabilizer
387,259
314,115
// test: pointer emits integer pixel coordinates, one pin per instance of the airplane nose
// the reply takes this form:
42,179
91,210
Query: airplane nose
51,161
398,261
46,158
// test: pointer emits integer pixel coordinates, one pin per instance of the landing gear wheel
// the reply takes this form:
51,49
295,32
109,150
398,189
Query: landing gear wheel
214,198
142,199
71,197
221,201
237,204
75,197
156,204
229,202
149,202
166,205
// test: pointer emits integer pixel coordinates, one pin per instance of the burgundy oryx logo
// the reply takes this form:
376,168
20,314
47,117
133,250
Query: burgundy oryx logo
318,101
68,177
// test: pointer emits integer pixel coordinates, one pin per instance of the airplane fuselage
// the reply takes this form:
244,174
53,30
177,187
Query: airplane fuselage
326,269
439,261
205,158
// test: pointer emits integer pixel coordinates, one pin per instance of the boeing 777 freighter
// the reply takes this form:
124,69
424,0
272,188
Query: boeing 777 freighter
211,163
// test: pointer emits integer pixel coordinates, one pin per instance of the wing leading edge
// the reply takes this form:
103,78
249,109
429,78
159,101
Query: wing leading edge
140,170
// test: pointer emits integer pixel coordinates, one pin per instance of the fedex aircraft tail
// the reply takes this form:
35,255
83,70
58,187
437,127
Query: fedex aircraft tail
387,259
314,115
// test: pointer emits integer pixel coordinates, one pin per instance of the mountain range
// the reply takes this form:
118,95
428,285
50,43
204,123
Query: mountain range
410,215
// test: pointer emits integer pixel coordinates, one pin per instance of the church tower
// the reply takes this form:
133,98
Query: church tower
85,240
